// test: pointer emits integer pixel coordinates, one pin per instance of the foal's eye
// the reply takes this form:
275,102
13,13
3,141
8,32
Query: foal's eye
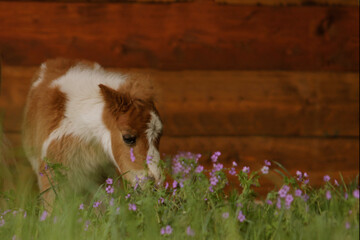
129,139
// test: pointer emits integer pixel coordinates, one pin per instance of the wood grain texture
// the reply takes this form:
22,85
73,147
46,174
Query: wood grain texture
194,35
290,2
243,2
231,103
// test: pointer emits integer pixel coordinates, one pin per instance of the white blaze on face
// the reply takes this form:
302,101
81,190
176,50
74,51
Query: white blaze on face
152,133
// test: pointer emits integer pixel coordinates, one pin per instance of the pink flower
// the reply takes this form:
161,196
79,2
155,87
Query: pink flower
265,169
199,169
132,156
215,156
43,216
109,189
326,178
232,171
234,164
241,216
246,169
328,195
189,231
298,193
175,183
356,193
109,181
132,207
96,204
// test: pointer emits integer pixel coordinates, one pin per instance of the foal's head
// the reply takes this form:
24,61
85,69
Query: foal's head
135,128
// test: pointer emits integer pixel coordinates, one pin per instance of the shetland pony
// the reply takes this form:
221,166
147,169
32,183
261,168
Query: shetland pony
90,120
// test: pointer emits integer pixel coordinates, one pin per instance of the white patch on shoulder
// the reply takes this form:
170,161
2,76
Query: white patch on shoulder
41,76
153,131
85,105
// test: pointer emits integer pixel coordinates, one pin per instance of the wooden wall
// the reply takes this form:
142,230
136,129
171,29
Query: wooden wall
263,79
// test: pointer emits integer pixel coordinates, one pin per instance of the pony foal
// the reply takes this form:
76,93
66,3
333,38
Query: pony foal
90,120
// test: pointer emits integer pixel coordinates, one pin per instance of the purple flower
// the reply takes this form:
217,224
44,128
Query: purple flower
109,181
217,167
232,171
43,216
41,174
225,215
288,200
96,204
283,191
234,163
265,169
356,193
161,200
211,188
132,156
166,185
199,169
162,231
347,225
109,189
189,231
267,163
215,156
328,195
241,216
174,192
214,180
81,207
2,222
132,207
168,229
175,183
111,202
306,197
25,214
306,181
87,223
336,182
298,193
346,195
306,175
278,203
246,169
127,196
148,159
269,202
326,178
299,175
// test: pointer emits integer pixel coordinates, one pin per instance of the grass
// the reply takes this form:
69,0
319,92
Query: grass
190,208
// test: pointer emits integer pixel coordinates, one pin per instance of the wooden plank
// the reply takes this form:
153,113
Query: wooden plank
290,2
231,103
194,35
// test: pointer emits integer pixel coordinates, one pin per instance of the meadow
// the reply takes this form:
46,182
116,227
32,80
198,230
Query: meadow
193,205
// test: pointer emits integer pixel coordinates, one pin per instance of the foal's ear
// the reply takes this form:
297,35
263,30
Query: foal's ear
116,102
